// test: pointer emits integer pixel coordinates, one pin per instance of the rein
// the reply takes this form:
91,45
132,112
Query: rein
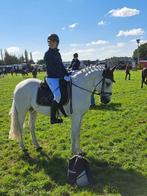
93,92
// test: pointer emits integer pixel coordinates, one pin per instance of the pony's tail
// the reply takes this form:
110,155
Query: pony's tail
14,132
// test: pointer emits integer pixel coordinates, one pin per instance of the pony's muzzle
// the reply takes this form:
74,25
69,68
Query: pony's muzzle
105,99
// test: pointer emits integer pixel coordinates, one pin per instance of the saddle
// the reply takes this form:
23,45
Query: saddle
45,95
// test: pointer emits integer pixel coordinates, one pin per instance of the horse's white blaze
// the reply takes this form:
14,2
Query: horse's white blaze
25,99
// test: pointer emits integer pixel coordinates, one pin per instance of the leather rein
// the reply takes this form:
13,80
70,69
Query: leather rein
94,91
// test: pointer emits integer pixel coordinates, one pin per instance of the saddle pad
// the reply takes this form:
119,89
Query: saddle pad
45,96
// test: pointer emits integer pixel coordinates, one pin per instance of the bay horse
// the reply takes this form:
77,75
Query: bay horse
144,76
84,82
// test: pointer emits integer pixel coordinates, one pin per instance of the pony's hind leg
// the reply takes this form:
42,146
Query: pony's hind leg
33,115
21,140
16,128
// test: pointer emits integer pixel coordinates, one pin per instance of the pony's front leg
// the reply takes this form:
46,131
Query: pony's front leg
75,134
33,115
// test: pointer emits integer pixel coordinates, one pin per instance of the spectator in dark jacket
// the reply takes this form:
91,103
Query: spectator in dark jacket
128,68
75,64
55,71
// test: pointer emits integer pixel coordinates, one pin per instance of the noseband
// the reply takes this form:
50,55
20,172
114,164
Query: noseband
102,93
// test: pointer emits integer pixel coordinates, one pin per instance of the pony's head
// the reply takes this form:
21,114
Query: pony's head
106,85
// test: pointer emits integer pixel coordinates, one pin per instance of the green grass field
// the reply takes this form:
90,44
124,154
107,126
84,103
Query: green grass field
113,136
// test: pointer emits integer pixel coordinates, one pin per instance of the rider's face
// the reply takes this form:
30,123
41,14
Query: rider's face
52,43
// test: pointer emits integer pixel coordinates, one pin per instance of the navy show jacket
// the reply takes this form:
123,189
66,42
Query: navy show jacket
75,64
54,64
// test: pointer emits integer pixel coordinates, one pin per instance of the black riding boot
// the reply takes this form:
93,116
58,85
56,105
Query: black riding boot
62,110
54,108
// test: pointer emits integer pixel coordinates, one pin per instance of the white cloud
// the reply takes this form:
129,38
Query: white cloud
13,50
101,23
120,44
135,42
75,45
101,52
83,54
98,42
37,55
63,28
132,32
123,12
72,26
143,41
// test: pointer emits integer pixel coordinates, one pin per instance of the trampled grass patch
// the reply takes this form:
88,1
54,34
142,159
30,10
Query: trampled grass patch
113,136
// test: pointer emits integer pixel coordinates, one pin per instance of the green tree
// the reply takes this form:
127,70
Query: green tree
118,60
26,56
21,59
1,63
31,59
10,59
142,52
40,62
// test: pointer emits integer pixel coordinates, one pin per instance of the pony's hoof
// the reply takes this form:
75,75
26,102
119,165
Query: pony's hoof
25,150
39,148
26,153
83,154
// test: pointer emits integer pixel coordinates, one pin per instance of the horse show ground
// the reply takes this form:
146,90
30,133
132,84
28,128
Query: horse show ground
113,136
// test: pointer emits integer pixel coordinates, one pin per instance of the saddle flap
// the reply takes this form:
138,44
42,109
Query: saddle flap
45,95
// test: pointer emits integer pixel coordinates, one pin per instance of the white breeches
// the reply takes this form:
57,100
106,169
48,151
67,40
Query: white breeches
53,83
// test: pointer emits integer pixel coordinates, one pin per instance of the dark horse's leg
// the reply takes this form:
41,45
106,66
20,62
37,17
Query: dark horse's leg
142,81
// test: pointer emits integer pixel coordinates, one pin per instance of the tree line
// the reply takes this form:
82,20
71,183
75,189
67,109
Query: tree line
8,59
142,52
27,58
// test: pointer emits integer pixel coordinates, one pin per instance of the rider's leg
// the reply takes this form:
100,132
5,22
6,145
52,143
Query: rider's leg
54,86
92,100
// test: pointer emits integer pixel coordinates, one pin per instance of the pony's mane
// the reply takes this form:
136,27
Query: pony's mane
88,70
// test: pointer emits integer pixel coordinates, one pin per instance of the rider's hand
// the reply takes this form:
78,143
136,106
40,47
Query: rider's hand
67,78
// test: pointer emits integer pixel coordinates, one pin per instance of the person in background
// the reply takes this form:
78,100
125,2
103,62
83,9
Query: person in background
75,64
34,72
128,68
55,71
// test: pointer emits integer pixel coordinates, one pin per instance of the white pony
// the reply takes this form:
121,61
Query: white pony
84,82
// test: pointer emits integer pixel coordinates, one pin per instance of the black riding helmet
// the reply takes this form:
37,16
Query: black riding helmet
53,37
75,55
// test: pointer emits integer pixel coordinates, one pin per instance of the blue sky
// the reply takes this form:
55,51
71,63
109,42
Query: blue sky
96,29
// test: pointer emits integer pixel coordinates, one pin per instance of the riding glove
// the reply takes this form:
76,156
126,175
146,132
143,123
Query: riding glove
67,78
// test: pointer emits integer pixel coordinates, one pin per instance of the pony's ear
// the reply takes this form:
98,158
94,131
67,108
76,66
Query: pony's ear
113,68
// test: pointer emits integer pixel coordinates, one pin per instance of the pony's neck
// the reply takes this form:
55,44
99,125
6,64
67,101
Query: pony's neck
88,78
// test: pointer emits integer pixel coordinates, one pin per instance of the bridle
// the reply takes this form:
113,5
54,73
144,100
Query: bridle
102,93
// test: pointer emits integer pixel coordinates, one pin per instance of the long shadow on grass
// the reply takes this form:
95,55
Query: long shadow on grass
54,166
111,106
107,177
112,178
